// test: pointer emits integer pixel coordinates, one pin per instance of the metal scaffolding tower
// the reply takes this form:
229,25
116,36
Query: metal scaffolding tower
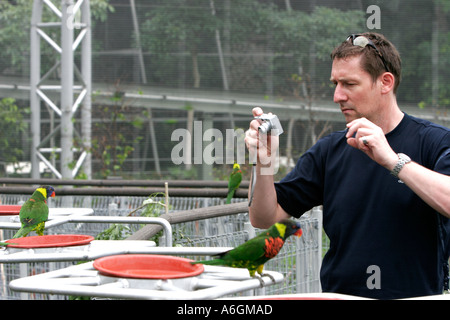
74,87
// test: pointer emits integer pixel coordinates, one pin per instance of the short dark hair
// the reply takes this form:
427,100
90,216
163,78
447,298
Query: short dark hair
371,61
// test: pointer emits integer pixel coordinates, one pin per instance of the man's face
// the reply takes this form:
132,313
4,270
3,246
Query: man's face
355,92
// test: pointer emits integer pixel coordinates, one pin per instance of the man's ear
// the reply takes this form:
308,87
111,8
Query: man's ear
387,82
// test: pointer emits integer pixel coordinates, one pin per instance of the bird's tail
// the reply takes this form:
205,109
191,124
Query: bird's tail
5,244
229,197
213,262
22,232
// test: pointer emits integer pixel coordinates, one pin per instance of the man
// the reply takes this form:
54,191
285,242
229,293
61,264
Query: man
387,217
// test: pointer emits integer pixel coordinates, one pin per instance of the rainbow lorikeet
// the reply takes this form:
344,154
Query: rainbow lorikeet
34,212
258,250
234,182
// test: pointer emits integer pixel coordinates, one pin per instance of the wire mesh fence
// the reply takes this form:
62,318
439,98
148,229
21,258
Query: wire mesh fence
12,271
299,260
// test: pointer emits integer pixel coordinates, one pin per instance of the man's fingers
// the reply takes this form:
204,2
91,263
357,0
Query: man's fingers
254,124
257,111
358,124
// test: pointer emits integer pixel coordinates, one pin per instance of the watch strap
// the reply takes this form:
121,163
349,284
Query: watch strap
402,160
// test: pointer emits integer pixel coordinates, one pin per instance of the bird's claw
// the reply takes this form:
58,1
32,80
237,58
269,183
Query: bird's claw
268,275
261,281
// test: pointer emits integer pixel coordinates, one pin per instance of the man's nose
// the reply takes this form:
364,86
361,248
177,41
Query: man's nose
339,94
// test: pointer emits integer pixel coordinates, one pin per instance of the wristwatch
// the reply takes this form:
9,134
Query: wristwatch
402,160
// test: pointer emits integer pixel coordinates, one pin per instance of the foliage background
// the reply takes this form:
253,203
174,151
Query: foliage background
271,48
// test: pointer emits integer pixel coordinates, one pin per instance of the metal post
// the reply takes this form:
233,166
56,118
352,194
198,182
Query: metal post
86,69
39,89
220,52
317,212
138,41
151,129
66,89
35,74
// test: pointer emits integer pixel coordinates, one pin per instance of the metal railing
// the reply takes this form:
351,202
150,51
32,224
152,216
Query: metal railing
202,221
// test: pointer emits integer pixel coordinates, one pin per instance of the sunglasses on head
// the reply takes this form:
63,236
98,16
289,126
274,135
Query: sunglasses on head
362,41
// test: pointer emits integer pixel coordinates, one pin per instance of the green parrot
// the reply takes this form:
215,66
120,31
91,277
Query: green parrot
34,212
258,250
234,182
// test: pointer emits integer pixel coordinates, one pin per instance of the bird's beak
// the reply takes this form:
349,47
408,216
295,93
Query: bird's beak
53,195
298,233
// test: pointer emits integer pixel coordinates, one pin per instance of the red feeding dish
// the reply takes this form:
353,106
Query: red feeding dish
50,241
142,266
9,210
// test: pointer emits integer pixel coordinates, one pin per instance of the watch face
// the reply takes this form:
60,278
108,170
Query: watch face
404,157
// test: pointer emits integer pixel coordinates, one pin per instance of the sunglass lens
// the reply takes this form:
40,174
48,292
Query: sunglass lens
361,41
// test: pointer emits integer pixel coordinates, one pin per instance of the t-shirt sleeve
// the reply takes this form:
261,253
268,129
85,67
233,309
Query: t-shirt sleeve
442,164
302,188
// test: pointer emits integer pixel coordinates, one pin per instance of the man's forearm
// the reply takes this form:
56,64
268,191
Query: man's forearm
264,210
430,186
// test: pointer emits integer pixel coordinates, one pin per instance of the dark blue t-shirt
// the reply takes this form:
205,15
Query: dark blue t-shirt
377,226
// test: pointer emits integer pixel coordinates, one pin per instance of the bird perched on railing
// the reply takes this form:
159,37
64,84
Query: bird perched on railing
234,182
34,212
254,253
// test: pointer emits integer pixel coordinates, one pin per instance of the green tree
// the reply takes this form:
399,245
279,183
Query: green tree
14,32
15,20
111,144
13,127
176,22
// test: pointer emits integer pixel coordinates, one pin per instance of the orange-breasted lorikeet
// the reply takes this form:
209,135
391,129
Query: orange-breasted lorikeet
34,212
234,182
258,250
